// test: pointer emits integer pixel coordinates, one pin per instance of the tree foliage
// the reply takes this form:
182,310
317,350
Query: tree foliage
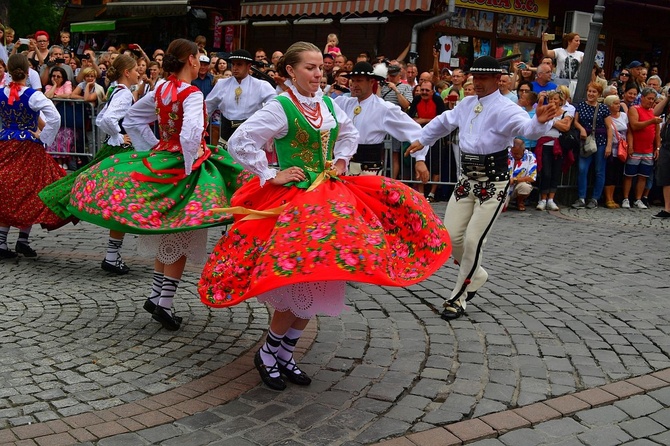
28,16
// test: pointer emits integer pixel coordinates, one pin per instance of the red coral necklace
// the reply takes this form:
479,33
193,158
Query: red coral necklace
313,116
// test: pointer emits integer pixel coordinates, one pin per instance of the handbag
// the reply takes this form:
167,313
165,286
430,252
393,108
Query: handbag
622,146
589,147
569,140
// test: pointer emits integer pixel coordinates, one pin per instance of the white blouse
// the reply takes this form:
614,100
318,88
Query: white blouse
255,93
246,144
40,103
114,110
143,113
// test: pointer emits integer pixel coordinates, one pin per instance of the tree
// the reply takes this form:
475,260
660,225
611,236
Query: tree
28,16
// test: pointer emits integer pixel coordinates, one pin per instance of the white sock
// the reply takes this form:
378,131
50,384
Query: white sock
156,287
113,246
168,291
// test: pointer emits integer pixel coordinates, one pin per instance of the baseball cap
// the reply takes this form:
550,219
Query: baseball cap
328,56
635,64
203,58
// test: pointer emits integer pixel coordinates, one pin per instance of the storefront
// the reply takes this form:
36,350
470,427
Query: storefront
486,28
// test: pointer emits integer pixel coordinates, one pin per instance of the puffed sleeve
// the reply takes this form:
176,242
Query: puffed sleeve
49,113
192,128
112,113
246,144
137,120
347,139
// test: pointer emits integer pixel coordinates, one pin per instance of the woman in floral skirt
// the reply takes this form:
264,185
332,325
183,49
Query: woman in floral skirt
307,229
25,167
57,195
167,187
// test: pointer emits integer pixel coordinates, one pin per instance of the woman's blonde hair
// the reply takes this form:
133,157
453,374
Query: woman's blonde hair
609,100
293,56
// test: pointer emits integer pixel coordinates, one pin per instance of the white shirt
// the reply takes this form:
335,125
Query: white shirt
255,93
40,103
246,144
379,117
489,131
568,110
567,64
113,111
143,112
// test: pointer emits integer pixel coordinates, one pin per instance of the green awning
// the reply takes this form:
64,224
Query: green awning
93,26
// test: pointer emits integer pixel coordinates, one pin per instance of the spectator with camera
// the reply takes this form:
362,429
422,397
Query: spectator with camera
401,95
88,59
55,59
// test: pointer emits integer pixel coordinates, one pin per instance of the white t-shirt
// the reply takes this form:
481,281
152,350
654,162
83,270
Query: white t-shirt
567,64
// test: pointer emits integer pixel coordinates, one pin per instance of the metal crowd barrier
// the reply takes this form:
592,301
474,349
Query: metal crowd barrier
78,138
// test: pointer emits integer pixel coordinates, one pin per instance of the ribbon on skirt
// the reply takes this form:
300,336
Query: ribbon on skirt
168,175
255,214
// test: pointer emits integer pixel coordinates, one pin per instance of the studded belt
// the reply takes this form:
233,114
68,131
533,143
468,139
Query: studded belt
492,166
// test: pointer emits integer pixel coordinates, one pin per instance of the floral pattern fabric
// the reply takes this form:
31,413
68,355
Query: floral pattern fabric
57,195
108,195
366,229
25,168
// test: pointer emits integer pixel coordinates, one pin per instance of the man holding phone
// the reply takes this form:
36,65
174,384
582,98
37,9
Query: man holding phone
56,58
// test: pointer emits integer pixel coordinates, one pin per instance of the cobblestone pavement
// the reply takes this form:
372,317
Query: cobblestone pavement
568,343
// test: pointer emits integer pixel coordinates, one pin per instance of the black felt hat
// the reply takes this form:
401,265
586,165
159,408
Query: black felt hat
486,65
364,69
241,55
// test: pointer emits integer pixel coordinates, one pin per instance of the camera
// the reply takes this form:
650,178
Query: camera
59,60
85,56
23,41
133,46
437,46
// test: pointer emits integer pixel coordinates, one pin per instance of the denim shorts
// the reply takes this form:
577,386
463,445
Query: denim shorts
636,166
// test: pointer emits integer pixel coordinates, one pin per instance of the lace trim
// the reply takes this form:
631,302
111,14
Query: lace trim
168,248
307,299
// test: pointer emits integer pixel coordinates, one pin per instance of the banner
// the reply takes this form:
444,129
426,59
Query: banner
530,8
216,44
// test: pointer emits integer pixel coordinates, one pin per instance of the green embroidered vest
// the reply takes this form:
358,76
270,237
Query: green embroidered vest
304,146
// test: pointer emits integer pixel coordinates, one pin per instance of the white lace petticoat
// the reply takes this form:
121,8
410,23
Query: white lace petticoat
168,248
306,300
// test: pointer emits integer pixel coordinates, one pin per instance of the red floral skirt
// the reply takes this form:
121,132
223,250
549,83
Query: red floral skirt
25,169
365,229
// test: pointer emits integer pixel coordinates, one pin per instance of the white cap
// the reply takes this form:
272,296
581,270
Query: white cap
204,58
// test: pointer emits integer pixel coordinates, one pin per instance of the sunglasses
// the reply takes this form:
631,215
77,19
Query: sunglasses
523,90
624,74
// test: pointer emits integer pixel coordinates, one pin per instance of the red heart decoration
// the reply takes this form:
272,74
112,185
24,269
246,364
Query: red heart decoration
447,48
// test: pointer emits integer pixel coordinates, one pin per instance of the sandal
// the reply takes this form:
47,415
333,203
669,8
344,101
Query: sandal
452,310
612,205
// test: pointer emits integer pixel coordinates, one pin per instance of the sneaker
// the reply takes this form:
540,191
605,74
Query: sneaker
542,205
645,200
552,206
579,204
625,204
640,205
592,204
662,214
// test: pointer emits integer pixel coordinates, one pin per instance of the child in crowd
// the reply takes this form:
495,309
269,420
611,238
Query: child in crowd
331,46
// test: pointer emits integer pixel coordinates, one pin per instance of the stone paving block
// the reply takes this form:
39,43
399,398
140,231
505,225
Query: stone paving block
129,439
432,437
523,437
537,413
640,442
505,421
604,436
596,397
642,427
639,406
622,389
601,416
560,428
32,431
197,438
471,430
198,421
567,405
62,439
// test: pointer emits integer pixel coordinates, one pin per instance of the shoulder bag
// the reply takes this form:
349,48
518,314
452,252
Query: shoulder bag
569,140
589,147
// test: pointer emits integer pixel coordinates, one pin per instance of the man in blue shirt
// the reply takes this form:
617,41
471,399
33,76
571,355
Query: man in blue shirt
542,80
205,80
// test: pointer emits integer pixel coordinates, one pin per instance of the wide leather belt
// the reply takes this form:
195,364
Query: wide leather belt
370,156
492,166
228,127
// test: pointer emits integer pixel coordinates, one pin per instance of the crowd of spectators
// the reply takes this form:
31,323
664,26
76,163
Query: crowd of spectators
623,104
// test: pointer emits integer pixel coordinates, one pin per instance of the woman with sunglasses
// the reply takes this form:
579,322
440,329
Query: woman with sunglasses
621,81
